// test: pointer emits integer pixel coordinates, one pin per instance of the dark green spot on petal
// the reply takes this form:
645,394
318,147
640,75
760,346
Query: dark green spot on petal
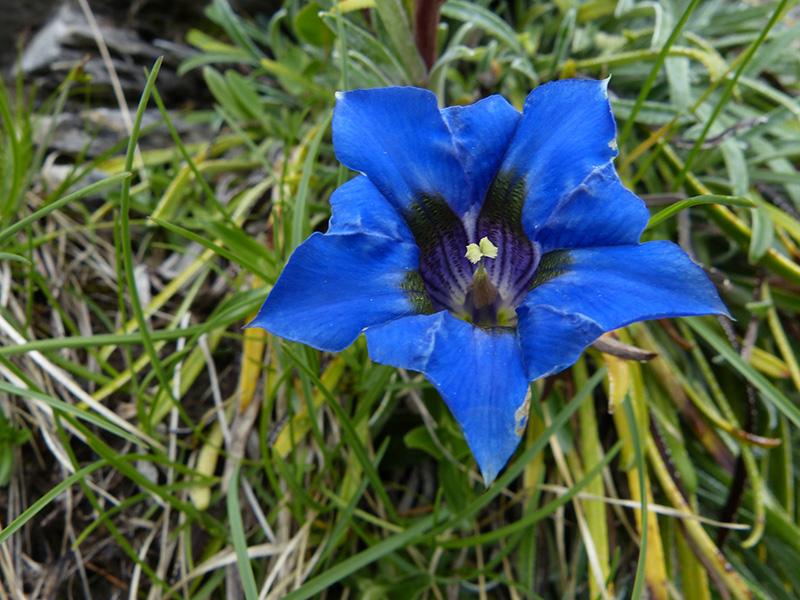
430,219
414,288
551,266
504,202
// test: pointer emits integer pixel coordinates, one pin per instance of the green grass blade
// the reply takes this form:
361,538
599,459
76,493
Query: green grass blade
238,537
761,383
674,209
89,190
47,498
639,580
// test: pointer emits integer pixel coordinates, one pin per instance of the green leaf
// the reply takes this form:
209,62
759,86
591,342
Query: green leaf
394,18
48,497
310,28
484,19
46,210
295,81
62,407
763,235
768,391
420,439
736,166
300,222
674,209
238,538
241,259
222,94
361,41
636,437
455,484
247,98
15,258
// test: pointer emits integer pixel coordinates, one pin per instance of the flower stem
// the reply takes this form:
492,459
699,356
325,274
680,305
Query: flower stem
426,24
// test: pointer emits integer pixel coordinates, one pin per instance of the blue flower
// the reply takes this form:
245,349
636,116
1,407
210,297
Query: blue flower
482,247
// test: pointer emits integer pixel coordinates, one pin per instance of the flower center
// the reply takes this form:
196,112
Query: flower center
485,284
490,301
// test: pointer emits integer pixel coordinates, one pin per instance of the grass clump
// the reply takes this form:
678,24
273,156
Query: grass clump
151,447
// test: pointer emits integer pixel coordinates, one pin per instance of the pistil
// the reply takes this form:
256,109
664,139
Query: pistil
482,297
484,294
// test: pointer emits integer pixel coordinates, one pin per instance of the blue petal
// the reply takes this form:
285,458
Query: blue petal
336,285
600,289
478,372
396,136
599,212
482,132
358,207
567,130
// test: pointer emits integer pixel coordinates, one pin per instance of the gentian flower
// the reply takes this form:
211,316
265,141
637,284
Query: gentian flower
482,247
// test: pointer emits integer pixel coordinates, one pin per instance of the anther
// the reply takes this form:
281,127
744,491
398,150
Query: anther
483,249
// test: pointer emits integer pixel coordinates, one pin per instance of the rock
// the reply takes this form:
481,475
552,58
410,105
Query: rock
136,33
66,40
19,19
89,133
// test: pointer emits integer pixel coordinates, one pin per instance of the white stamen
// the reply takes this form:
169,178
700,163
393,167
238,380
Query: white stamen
483,249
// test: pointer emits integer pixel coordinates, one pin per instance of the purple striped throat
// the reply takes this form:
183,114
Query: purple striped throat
488,292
